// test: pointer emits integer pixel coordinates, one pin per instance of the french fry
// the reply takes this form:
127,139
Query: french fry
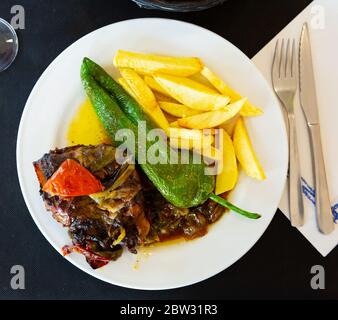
191,93
174,124
153,84
140,88
209,152
169,117
162,97
229,126
150,63
160,119
124,84
190,143
212,131
212,119
177,110
198,77
156,114
186,134
245,152
227,178
203,147
248,110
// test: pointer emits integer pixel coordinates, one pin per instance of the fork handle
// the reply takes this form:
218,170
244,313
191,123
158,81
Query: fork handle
323,205
295,184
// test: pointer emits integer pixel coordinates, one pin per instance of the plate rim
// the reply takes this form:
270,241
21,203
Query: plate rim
20,169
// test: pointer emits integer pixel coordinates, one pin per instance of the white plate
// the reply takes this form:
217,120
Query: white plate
57,95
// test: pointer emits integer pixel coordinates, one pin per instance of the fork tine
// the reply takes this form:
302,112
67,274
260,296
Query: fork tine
283,60
293,59
284,64
288,59
276,62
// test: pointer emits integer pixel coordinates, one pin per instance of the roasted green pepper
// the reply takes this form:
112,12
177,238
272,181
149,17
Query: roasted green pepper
183,185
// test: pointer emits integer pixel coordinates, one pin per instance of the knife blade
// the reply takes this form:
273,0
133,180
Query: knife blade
308,99
307,87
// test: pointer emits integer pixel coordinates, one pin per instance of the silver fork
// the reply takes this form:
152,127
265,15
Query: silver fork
285,82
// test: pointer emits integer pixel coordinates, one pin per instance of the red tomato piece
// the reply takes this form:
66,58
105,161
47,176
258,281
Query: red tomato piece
72,180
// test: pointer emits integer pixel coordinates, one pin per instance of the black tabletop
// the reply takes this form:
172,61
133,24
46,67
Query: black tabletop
279,265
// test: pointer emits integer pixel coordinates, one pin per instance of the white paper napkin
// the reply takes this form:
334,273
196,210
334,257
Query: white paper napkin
322,17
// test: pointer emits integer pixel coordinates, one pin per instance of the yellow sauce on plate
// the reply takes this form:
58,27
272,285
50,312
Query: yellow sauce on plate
86,128
145,252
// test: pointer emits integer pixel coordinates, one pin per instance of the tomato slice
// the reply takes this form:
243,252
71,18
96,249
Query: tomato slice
72,180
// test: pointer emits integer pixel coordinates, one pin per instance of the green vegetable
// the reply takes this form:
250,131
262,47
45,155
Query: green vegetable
232,207
183,185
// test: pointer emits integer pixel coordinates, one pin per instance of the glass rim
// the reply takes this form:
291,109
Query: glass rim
177,6
16,41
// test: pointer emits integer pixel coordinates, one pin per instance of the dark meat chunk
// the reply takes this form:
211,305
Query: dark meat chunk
194,226
211,210
99,160
94,229
168,222
130,212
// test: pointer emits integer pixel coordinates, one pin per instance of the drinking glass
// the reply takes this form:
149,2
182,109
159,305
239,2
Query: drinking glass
8,44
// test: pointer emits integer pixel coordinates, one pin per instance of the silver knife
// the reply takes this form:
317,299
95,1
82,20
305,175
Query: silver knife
308,100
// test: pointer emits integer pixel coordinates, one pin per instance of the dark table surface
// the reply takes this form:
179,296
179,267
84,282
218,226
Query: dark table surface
279,264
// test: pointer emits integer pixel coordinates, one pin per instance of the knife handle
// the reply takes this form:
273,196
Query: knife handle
295,184
323,205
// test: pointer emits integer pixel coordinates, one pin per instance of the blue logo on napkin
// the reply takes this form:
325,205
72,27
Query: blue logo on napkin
310,194
335,212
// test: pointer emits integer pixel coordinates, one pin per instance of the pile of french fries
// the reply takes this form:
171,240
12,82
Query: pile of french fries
184,98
